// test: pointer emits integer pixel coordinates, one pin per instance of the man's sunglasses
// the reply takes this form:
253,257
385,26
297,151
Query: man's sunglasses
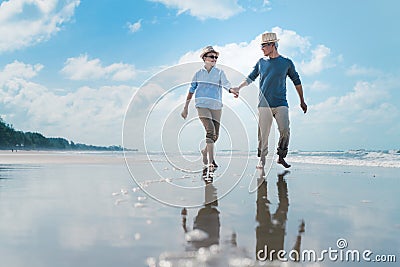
267,44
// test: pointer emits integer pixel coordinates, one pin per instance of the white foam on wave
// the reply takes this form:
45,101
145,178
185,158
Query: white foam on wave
358,157
387,159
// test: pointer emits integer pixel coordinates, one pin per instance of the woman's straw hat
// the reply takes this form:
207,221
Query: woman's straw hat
208,49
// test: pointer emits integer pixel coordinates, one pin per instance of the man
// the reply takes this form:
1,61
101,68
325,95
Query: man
273,70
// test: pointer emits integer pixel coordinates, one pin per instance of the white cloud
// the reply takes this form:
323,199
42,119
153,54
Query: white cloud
318,86
217,9
291,43
121,71
134,27
18,70
319,61
356,70
83,68
243,56
43,20
259,6
351,106
364,117
89,115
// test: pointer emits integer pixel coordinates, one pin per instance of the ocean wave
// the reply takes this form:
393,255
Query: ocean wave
384,158
359,157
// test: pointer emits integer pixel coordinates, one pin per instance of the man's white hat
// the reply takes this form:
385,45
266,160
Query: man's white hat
269,37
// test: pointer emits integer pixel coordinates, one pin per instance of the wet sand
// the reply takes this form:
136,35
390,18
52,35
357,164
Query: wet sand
78,209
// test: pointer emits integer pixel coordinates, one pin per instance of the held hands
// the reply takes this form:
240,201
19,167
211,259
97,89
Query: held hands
235,91
303,106
184,112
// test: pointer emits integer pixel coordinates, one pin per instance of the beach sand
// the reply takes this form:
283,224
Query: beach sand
86,209
59,157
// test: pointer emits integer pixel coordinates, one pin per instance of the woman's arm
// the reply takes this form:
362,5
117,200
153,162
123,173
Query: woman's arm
186,107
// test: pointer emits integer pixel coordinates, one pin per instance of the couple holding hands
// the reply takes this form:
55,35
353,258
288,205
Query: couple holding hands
273,69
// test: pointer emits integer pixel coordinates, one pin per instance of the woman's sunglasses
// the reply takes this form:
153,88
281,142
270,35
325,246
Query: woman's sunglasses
213,57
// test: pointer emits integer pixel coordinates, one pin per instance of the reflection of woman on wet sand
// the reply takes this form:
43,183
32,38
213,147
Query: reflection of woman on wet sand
271,230
206,222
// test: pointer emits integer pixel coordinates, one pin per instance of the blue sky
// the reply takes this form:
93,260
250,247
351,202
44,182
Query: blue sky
69,68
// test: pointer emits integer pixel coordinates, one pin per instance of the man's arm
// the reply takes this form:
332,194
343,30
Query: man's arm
252,76
303,105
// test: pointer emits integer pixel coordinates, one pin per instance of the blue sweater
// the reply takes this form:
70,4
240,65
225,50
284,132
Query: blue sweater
273,73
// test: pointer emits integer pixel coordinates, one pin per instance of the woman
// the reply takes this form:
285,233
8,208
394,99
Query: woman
207,84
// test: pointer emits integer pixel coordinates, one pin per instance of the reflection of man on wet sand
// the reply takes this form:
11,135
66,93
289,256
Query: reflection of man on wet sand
271,230
206,224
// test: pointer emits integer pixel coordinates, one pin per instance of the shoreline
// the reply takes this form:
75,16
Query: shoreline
391,161
59,157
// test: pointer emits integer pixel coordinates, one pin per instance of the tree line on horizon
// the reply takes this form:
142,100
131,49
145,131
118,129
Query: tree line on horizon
18,140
